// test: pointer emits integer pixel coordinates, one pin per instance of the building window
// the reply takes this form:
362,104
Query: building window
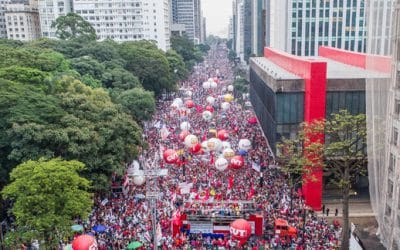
392,162
388,210
397,107
395,135
390,189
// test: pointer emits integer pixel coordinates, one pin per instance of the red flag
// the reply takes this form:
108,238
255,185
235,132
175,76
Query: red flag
230,182
251,193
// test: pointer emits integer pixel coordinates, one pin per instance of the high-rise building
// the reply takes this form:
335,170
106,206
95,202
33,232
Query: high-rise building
49,11
188,13
128,20
383,121
239,29
22,20
203,29
258,27
301,26
3,30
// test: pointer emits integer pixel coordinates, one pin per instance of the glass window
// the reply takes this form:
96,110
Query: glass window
392,162
390,189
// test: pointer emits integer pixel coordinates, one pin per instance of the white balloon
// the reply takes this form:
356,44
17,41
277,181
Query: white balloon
230,88
226,145
245,144
210,79
206,85
185,126
228,153
225,105
214,85
210,100
191,140
221,164
204,146
174,105
207,115
214,144
189,93
178,101
139,180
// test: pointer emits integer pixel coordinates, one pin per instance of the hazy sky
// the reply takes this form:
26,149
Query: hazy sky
217,13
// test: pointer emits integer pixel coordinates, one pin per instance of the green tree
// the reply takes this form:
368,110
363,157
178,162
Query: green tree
24,75
177,65
138,102
73,26
47,195
184,47
150,65
343,155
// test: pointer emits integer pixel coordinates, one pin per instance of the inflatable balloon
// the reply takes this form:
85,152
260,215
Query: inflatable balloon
214,144
206,85
210,108
183,135
191,140
237,162
228,97
185,126
84,242
189,104
244,144
207,115
213,85
196,148
230,88
242,152
210,100
228,153
240,230
221,164
174,105
223,135
139,180
170,156
225,106
204,146
189,93
178,101
226,145
210,79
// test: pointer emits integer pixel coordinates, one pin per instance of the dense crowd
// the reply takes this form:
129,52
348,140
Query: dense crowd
127,215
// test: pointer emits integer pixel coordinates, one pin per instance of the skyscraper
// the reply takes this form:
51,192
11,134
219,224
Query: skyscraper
300,27
3,30
188,13
258,27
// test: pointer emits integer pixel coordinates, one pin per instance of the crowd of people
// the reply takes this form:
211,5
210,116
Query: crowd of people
127,218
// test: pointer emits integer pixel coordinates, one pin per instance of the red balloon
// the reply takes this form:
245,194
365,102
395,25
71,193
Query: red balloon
240,230
189,104
196,148
170,156
237,162
84,242
223,135
183,135
216,79
210,108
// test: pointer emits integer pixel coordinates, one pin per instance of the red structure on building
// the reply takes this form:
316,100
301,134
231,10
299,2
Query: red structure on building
335,73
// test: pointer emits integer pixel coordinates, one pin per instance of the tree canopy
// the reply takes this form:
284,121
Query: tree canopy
73,26
47,196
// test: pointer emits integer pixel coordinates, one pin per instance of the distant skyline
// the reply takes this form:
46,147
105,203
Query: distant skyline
217,13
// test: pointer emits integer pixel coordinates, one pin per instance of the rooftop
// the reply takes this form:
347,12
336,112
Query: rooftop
336,70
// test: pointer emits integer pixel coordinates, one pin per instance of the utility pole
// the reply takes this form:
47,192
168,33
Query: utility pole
152,171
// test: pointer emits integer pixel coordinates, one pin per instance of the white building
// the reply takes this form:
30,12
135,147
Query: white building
239,43
3,30
22,20
49,11
383,121
300,26
128,20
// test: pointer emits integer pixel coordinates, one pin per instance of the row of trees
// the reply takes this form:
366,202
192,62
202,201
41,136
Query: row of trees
71,113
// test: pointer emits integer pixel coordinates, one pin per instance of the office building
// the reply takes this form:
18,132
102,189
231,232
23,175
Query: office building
49,11
383,122
22,20
128,20
286,90
258,27
188,13
299,27
239,29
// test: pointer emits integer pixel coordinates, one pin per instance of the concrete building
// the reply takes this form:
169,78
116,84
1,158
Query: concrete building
49,11
188,13
258,27
128,20
239,29
3,29
286,90
22,20
300,27
383,121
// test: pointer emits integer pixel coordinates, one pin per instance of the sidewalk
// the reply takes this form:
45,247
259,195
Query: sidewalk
357,208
